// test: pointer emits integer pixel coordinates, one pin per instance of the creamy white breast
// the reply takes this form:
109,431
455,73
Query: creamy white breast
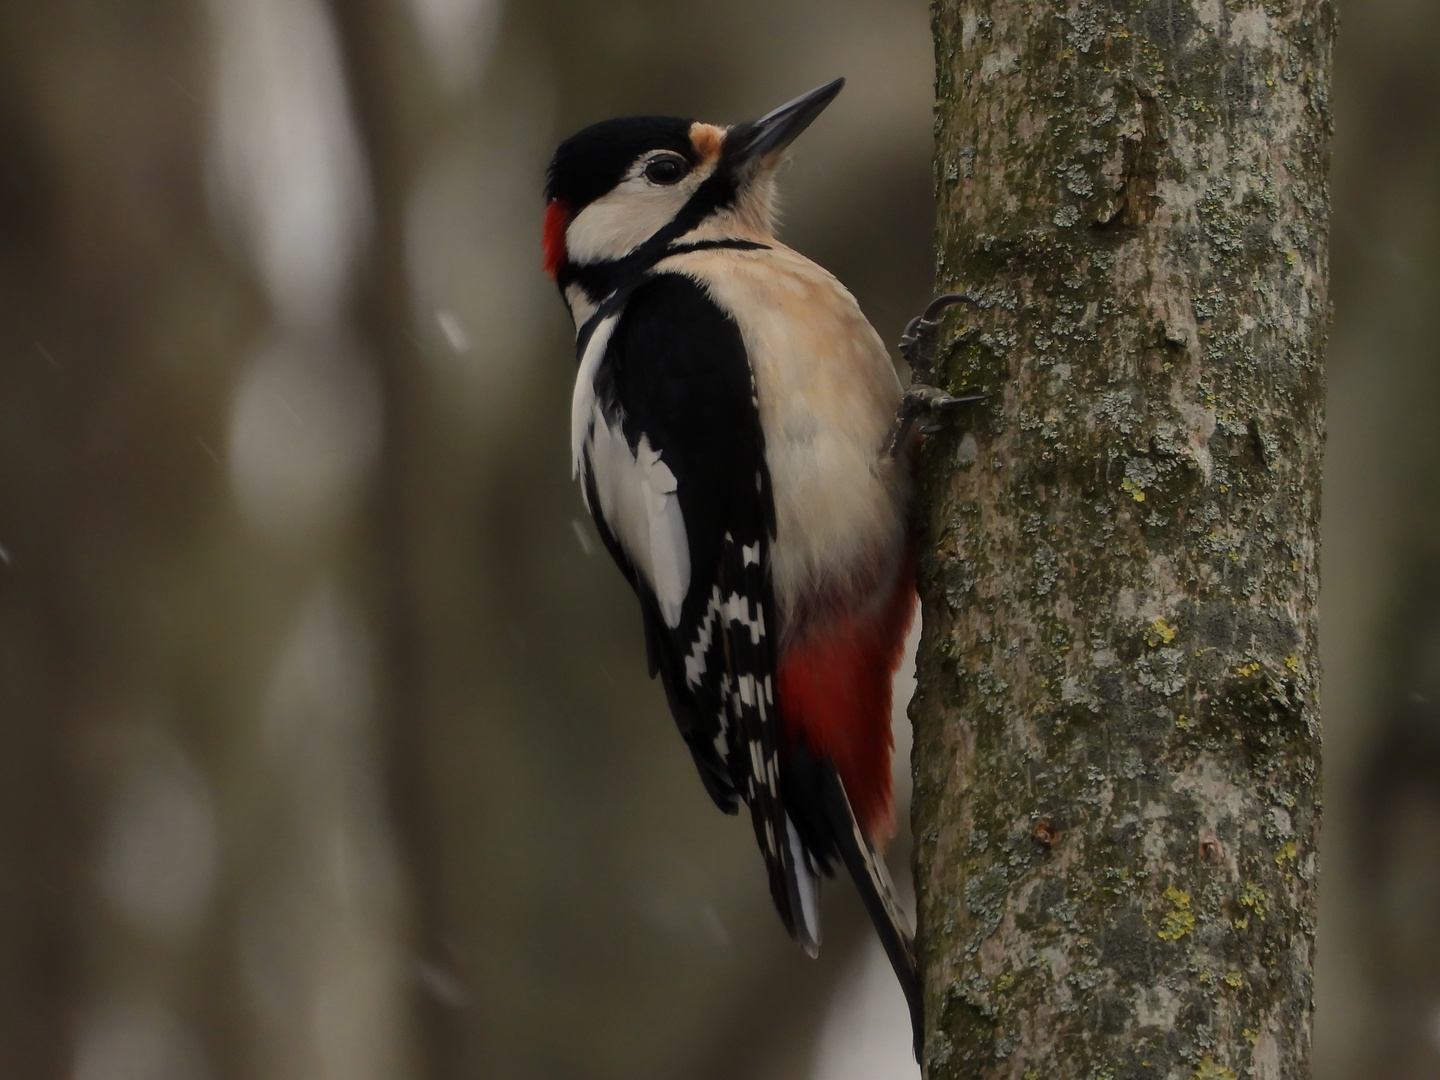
827,393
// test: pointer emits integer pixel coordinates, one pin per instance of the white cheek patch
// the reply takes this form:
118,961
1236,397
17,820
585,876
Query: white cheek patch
637,493
617,223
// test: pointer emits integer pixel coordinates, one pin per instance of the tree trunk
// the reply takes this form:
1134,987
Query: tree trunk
1117,740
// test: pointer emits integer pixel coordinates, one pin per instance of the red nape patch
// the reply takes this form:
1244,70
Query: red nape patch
834,688
557,217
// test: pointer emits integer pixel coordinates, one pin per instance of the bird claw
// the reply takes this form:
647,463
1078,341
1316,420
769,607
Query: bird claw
929,402
918,345
922,334
933,399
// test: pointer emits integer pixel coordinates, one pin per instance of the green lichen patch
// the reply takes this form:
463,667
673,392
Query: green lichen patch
1180,920
1252,899
1209,1070
1159,633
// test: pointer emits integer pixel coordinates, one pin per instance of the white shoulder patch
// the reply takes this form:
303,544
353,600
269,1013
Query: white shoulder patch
582,402
669,546
638,500
581,306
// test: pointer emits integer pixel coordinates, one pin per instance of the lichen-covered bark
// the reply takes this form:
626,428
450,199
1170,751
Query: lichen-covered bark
1117,727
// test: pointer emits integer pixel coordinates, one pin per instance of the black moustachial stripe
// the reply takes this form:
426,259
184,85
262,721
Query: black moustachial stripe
618,276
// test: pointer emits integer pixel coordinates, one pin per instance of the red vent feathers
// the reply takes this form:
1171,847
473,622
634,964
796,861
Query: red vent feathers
557,217
833,685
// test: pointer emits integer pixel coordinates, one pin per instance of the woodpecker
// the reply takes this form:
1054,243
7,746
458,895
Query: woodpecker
743,442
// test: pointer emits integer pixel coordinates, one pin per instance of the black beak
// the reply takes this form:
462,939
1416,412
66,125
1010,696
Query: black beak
780,127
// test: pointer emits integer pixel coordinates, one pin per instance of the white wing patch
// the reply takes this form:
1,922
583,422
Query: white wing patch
669,546
582,404
581,306
637,493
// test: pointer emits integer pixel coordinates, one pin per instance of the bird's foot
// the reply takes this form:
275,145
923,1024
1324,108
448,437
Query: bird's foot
934,404
918,345
922,334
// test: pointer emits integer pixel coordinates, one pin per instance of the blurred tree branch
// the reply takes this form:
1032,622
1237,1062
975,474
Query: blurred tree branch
1117,722
122,320
397,107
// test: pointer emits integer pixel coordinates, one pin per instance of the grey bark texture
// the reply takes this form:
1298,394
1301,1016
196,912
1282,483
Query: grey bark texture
1117,727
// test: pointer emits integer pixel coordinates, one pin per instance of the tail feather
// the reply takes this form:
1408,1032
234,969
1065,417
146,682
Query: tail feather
753,753
872,880
803,884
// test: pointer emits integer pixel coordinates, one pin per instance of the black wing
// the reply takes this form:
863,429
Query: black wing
675,381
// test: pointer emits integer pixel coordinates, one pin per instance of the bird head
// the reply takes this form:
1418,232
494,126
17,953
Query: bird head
630,187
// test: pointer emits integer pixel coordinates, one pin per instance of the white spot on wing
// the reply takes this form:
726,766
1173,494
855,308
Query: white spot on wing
737,609
747,689
695,663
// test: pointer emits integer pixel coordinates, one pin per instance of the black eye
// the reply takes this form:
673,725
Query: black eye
665,170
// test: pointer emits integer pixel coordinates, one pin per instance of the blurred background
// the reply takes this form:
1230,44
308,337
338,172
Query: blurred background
326,747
